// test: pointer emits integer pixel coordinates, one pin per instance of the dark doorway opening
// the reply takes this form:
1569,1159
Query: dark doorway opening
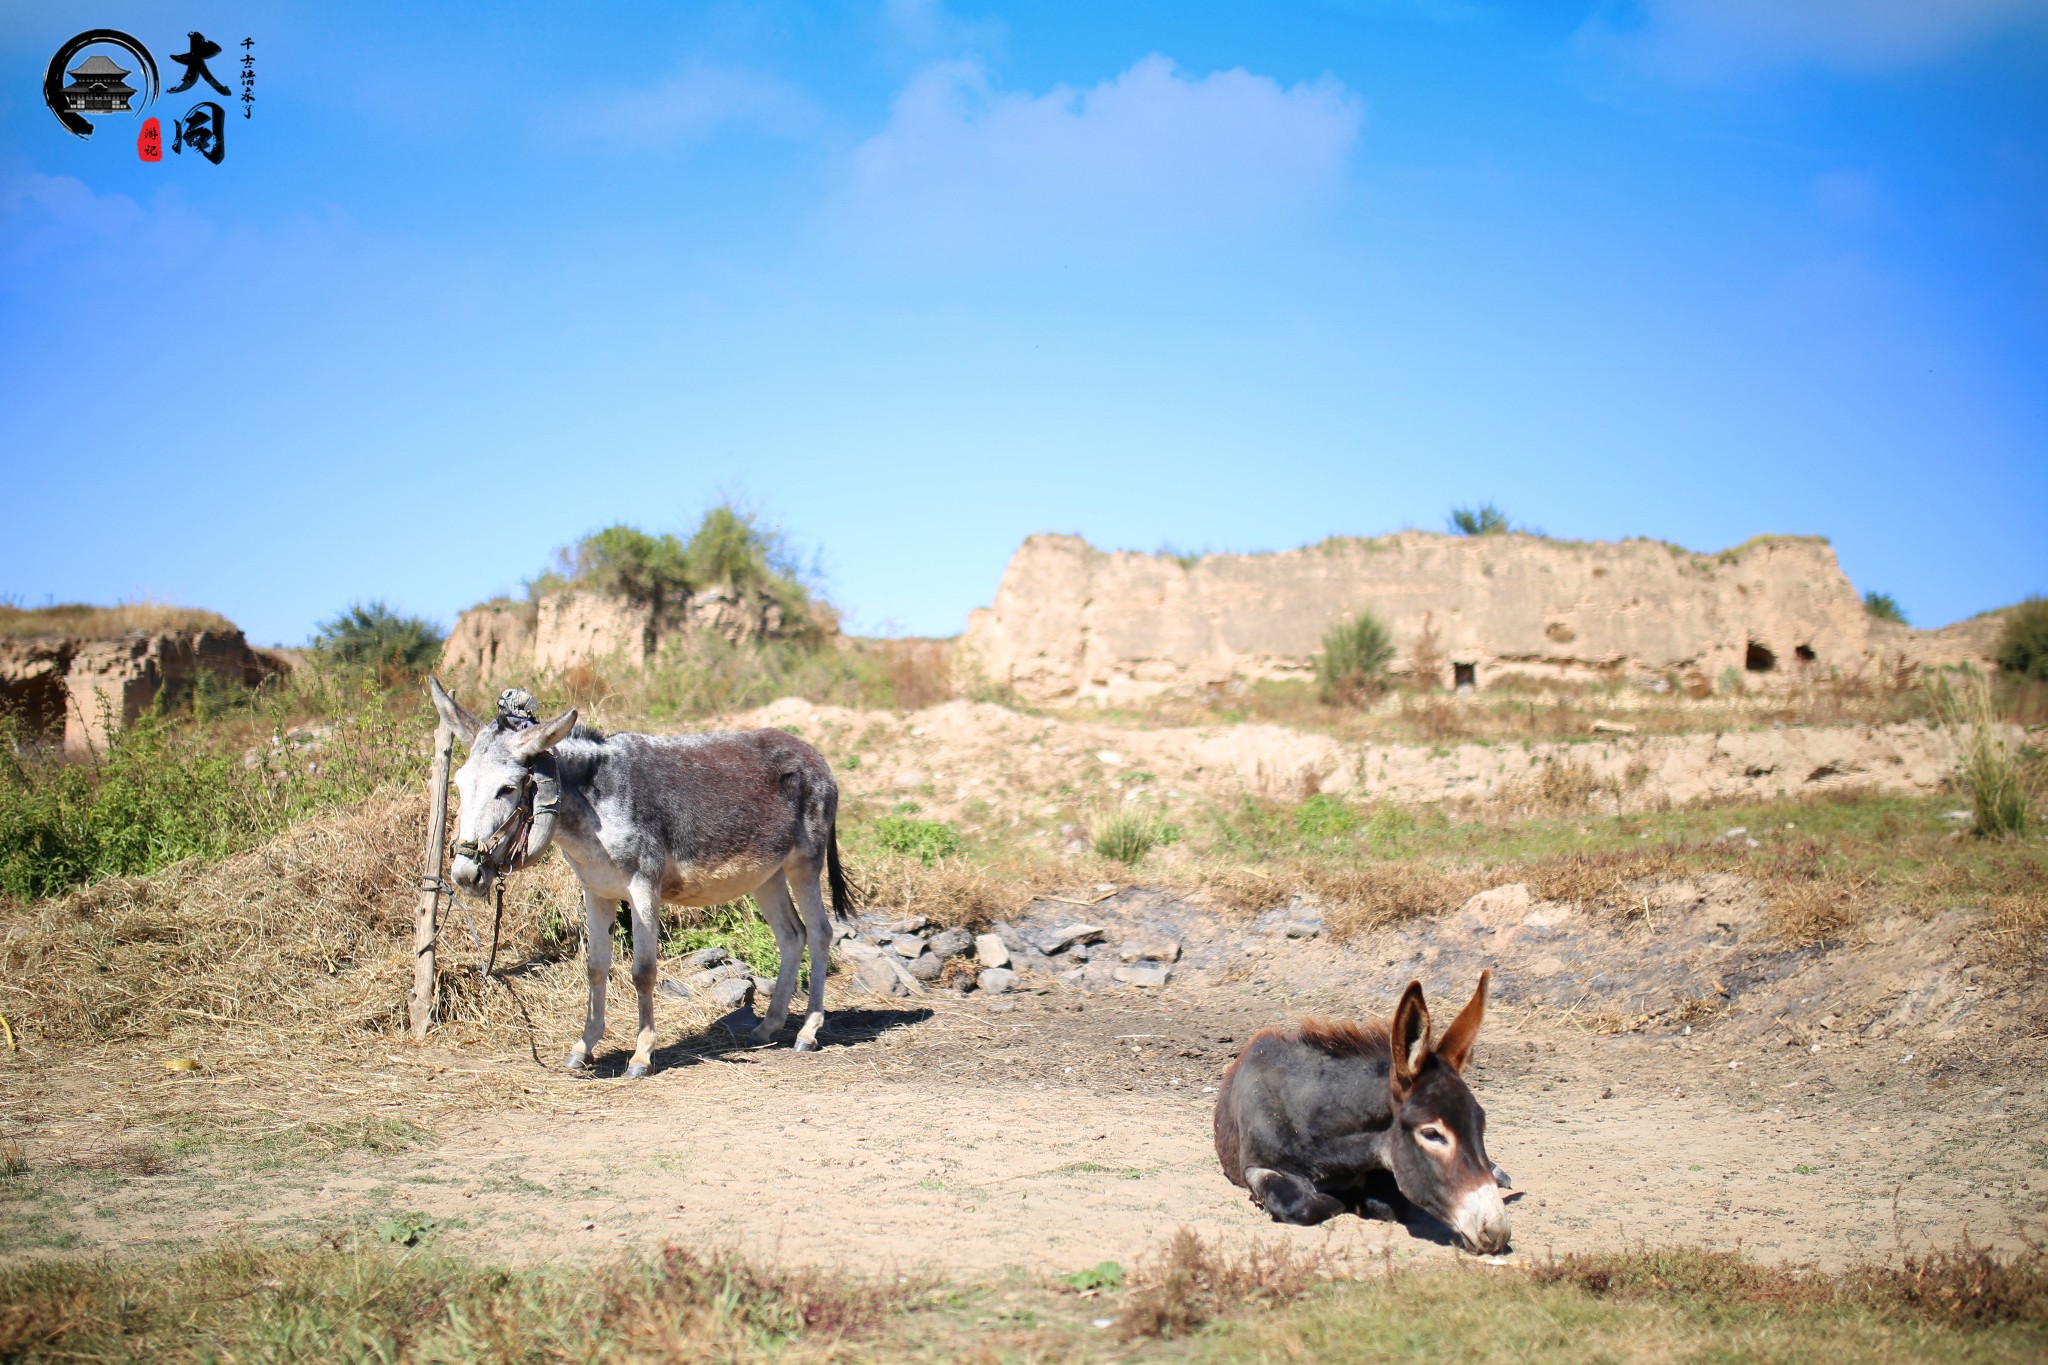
1464,676
1759,659
1804,653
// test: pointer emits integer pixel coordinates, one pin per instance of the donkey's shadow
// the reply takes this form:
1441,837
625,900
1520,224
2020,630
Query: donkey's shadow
727,1040
1379,1200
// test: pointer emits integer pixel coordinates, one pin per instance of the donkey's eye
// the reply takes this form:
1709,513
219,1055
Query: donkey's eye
1433,1136
505,790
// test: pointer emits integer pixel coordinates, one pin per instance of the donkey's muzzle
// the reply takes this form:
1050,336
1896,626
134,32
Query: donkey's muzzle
1481,1220
467,873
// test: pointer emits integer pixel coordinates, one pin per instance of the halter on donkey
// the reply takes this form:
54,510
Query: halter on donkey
691,819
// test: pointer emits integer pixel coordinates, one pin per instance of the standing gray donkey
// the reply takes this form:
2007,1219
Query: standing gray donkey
694,819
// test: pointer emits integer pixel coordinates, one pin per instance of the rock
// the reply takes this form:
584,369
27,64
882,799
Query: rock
1144,974
706,983
990,952
1960,816
1109,758
1053,940
733,993
1099,975
858,950
997,980
673,988
1158,947
1613,727
1031,960
1073,952
907,945
926,967
1505,904
879,976
1293,920
706,958
952,943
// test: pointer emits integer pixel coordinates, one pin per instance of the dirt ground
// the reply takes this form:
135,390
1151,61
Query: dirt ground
1800,1105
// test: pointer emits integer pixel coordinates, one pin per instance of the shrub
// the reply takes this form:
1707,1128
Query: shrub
372,635
1483,520
2023,648
1354,659
1884,607
1989,770
925,840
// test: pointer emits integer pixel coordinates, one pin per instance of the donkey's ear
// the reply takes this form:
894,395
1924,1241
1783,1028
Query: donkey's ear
1456,1046
536,740
1408,1039
453,714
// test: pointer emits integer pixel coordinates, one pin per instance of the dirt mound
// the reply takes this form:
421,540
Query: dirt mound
984,764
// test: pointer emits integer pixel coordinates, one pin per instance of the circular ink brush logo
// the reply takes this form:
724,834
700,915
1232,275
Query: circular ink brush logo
98,85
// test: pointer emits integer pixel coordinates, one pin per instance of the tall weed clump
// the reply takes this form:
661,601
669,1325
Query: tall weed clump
373,636
1354,659
1992,774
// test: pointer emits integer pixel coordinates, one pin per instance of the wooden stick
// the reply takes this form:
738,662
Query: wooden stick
423,916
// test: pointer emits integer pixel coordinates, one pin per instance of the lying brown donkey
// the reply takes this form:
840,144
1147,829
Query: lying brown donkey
1315,1120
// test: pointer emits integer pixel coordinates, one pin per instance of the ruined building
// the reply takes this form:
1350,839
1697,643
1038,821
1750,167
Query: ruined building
1073,623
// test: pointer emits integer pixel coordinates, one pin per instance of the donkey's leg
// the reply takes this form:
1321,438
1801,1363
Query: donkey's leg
597,919
803,879
646,899
773,896
1288,1198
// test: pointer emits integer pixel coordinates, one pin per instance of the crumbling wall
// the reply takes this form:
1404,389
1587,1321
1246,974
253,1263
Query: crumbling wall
1071,622
84,689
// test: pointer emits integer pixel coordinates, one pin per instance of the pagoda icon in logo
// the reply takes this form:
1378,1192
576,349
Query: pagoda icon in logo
98,86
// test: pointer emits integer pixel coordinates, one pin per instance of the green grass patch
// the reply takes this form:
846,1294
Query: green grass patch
925,840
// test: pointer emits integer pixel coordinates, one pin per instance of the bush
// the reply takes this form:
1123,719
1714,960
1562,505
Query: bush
2023,649
729,548
1884,607
925,840
1323,816
375,636
1483,520
1354,660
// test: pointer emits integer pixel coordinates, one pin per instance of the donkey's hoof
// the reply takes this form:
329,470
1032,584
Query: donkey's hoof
804,1044
637,1071
576,1061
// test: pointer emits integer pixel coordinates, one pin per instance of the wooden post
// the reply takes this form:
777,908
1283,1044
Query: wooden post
424,913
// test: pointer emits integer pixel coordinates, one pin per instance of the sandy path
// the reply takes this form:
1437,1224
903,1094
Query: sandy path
855,1156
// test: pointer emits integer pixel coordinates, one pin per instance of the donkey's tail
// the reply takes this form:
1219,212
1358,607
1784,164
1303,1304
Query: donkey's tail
842,894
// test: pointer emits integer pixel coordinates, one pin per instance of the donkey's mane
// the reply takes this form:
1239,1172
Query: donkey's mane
1342,1038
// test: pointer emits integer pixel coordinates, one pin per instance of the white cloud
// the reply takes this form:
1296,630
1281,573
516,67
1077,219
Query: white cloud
1151,158
1704,40
691,106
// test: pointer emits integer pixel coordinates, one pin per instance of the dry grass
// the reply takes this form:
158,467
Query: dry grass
1964,1286
358,1303
1190,1281
81,621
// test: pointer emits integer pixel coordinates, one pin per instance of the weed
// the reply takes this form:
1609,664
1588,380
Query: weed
406,1229
1354,659
1125,836
928,841
1191,1281
1989,770
738,928
13,1161
1323,817
1106,1276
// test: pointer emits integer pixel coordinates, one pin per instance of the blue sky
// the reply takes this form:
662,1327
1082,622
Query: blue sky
918,281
